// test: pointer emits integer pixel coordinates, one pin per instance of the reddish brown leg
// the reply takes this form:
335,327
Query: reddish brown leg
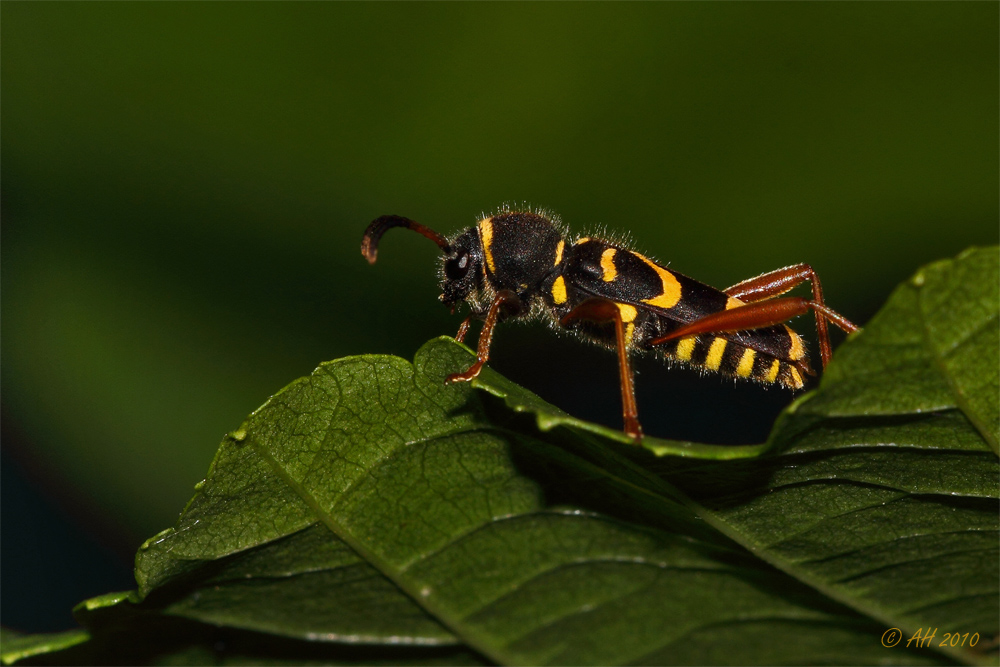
485,337
601,310
761,314
778,282
463,329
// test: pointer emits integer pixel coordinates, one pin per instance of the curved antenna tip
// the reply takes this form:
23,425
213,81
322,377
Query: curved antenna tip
369,249
379,226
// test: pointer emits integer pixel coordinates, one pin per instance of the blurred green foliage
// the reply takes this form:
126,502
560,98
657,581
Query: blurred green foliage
185,186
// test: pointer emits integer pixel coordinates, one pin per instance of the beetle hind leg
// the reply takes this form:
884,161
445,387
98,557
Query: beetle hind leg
761,309
775,283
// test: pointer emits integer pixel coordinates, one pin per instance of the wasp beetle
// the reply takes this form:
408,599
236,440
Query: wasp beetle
522,264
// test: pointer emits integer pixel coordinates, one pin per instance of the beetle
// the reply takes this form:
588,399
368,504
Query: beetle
523,264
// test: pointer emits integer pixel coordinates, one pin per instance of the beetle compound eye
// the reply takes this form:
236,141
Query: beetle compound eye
456,267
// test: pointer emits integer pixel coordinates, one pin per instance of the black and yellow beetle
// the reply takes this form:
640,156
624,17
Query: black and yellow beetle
519,264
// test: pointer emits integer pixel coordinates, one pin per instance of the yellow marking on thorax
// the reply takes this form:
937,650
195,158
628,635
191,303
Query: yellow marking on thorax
585,239
559,291
796,377
733,302
629,330
671,293
608,265
797,350
559,252
714,358
486,236
684,348
745,366
772,373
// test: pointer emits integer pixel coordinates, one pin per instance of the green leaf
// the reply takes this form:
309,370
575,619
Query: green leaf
935,346
136,639
371,512
449,508
18,647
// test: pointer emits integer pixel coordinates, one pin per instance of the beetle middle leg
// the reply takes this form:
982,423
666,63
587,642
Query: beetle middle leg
602,310
463,329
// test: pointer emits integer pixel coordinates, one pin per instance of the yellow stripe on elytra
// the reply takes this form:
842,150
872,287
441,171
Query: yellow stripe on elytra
671,293
797,350
745,367
559,252
685,347
714,358
608,265
486,235
772,373
796,378
559,291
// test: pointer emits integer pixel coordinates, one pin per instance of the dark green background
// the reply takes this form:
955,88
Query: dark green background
185,186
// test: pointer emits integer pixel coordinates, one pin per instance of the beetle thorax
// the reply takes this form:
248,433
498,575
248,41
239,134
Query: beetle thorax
519,250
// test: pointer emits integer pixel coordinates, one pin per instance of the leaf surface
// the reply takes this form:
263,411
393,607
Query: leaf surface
18,647
444,510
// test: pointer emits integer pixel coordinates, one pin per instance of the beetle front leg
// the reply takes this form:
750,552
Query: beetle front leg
512,304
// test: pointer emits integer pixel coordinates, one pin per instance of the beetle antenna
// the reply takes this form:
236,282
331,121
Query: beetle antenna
379,226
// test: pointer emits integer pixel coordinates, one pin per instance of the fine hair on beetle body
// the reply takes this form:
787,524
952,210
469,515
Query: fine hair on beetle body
523,264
